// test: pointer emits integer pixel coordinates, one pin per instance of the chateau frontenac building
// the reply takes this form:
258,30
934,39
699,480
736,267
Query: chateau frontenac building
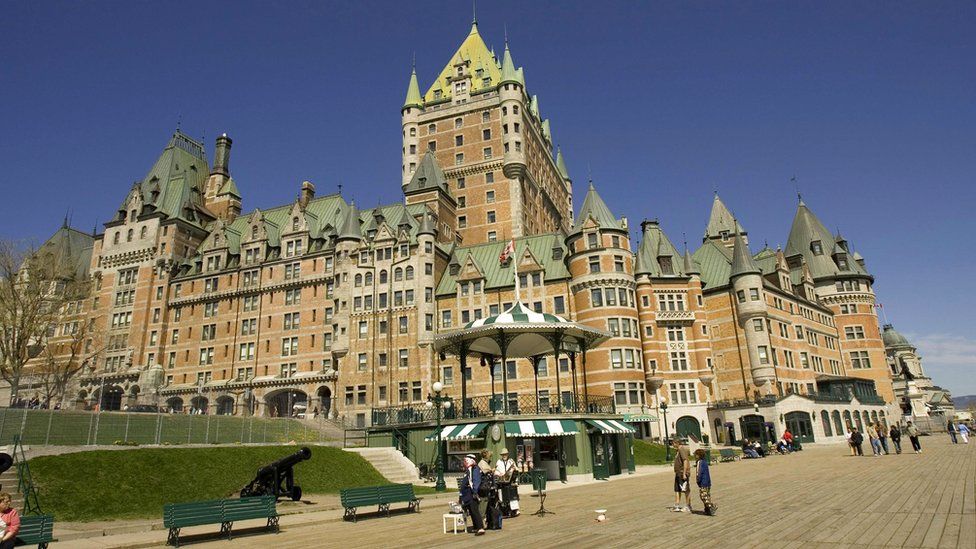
203,306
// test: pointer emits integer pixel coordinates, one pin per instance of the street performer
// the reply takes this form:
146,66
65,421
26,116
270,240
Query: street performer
506,472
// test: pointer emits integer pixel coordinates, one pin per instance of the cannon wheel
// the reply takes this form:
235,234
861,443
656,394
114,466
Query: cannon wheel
296,493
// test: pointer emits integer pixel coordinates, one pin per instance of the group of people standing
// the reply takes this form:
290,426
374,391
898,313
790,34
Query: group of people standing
489,492
878,437
682,479
963,432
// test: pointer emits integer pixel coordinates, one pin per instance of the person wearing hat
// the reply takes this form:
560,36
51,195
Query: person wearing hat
469,492
487,482
505,471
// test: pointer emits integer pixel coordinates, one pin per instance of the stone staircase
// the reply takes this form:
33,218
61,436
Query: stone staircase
8,483
391,463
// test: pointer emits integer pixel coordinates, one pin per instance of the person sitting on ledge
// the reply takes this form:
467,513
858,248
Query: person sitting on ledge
748,451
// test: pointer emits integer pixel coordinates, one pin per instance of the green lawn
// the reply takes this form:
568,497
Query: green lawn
128,484
648,453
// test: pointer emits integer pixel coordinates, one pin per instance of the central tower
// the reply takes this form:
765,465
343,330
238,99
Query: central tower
491,142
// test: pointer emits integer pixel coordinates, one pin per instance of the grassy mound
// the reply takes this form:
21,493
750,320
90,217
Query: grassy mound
648,453
127,484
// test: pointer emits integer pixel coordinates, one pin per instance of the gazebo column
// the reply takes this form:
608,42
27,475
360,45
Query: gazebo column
535,374
463,356
586,392
503,345
557,340
572,367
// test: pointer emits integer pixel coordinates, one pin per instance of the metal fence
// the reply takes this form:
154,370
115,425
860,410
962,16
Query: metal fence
79,428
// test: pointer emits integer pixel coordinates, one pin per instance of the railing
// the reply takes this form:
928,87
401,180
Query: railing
402,442
489,406
829,397
870,399
674,316
25,482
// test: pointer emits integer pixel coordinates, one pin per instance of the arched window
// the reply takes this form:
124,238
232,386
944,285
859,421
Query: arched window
369,279
384,277
358,281
143,232
398,274
409,273
294,223
825,420
254,231
838,424
128,235
115,239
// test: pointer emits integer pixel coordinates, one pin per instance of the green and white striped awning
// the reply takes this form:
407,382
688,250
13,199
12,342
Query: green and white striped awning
640,418
517,314
465,431
541,428
611,426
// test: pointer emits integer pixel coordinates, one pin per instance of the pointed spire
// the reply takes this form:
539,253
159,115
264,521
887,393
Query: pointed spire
534,106
546,130
413,91
721,220
561,164
350,228
691,266
742,262
509,72
429,175
229,187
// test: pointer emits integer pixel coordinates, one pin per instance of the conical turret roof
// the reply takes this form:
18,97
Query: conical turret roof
561,164
427,225
742,262
691,266
350,229
811,239
509,72
594,207
429,175
657,256
413,92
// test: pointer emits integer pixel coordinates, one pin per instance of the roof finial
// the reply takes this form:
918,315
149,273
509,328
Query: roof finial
179,122
474,12
796,188
64,224
589,174
505,27
340,189
414,65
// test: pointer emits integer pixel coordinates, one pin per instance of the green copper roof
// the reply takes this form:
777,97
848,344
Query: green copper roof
893,338
413,92
715,261
69,252
485,258
546,130
534,106
429,175
690,265
561,164
427,224
656,254
721,220
594,207
811,239
509,72
351,226
742,263
229,187
475,55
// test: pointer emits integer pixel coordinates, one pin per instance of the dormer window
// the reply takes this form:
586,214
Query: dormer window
724,235
294,223
592,240
842,263
132,215
460,70
816,247
665,263
438,94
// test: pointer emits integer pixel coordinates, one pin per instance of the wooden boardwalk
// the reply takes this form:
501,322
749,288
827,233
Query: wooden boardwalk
820,497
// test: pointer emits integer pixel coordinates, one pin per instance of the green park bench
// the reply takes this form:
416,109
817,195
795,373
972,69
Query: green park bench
381,496
36,530
219,511
727,454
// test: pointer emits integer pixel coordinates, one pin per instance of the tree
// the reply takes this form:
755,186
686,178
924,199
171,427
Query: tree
36,291
64,356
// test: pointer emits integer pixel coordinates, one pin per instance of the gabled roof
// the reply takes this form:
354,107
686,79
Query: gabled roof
502,276
721,220
475,53
806,230
654,246
595,208
429,175
742,263
230,188
715,261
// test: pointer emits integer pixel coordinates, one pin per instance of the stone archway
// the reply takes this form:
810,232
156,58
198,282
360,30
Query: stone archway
199,405
174,404
324,403
225,405
110,398
285,403
687,427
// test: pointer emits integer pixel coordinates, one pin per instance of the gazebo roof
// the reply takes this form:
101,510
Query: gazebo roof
520,332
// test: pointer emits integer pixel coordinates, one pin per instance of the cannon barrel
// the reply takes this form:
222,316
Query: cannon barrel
286,462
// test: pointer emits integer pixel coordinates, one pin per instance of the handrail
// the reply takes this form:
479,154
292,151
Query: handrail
25,483
488,406
401,441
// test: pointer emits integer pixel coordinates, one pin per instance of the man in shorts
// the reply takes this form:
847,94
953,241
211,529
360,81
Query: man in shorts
682,476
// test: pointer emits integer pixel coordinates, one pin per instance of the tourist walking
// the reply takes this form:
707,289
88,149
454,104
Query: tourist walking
682,476
875,441
952,432
470,484
856,440
912,431
883,437
895,435
964,433
9,522
704,481
850,443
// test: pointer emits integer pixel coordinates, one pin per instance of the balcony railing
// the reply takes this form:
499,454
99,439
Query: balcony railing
487,406
675,316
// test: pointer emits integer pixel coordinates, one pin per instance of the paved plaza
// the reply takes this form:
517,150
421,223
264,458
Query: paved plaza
818,497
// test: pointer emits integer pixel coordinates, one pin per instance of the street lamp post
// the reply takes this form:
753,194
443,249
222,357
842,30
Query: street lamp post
437,401
667,441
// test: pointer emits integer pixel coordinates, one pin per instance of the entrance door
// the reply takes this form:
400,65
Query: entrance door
613,458
598,446
752,427
800,425
687,427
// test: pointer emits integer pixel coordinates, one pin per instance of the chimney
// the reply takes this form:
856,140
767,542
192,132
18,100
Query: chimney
308,193
222,156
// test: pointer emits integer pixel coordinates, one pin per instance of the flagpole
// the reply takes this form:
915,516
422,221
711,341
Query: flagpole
518,292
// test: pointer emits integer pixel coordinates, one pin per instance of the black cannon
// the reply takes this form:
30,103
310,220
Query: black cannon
278,479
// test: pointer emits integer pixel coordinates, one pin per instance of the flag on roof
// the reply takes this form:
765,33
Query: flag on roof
507,252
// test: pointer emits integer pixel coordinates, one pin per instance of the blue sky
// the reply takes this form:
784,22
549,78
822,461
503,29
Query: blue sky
871,106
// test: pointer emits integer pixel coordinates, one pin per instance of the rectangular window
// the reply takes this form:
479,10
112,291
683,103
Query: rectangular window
596,297
403,358
679,360
763,354
616,358
860,360
292,321
754,294
559,305
594,263
757,324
